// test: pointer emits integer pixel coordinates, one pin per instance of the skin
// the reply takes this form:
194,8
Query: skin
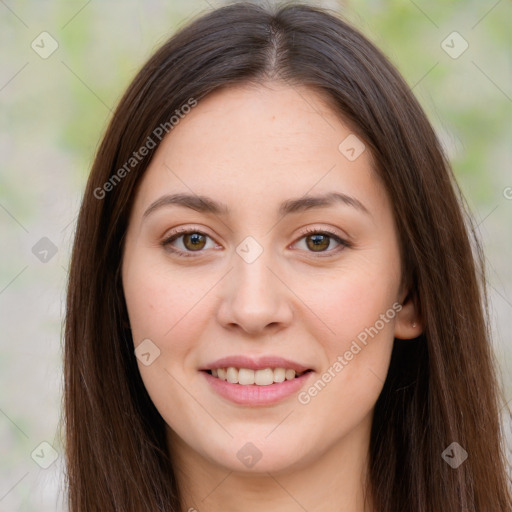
252,147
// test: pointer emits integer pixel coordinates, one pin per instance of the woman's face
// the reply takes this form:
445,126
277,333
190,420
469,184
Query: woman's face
275,273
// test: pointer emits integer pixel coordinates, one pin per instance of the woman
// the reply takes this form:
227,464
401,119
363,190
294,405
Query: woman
273,297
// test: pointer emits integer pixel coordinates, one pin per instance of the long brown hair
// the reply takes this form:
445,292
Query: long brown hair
441,388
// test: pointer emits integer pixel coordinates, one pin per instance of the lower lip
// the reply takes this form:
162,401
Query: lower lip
255,395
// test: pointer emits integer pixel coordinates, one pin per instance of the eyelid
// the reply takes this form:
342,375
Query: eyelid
185,230
180,231
340,239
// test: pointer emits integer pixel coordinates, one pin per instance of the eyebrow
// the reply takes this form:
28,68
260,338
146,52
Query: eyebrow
206,204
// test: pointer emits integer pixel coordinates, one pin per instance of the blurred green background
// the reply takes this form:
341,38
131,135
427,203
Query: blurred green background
53,112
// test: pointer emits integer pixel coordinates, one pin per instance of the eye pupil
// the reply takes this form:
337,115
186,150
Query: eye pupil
320,241
195,239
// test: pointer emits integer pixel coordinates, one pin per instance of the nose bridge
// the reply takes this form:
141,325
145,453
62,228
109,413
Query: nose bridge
256,298
254,287
254,278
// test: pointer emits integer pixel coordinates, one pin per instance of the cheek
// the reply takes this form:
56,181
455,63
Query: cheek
160,301
170,307
164,308
359,311
353,299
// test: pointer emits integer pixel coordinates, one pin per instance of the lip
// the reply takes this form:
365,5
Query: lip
253,394
258,363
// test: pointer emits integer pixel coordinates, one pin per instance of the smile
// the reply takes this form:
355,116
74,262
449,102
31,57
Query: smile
247,376
265,391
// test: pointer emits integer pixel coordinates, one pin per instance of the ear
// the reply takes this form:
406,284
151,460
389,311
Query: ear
408,322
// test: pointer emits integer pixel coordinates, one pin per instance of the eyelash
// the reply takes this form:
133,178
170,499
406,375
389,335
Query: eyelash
186,231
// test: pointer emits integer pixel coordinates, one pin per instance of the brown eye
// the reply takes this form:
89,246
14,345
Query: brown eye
318,243
194,241
323,243
187,242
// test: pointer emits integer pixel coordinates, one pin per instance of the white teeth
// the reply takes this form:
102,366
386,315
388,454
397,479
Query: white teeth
264,377
245,376
279,374
232,375
289,374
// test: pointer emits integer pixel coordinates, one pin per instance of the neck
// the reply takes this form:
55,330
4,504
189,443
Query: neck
335,480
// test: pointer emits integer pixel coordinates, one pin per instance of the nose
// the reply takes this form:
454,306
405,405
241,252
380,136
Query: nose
255,298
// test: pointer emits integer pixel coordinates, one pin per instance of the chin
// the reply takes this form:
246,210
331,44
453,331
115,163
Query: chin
254,454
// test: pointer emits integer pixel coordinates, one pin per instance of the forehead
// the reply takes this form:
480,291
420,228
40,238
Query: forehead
254,144
266,121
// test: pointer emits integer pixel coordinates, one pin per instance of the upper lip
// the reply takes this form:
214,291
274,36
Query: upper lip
256,363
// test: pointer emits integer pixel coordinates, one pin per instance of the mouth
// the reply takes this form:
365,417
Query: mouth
261,377
256,381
